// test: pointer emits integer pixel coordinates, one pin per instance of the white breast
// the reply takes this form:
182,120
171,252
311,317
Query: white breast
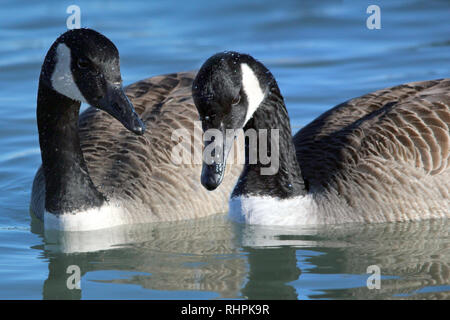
108,216
300,210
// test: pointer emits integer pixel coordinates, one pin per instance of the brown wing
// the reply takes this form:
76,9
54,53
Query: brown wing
383,145
139,169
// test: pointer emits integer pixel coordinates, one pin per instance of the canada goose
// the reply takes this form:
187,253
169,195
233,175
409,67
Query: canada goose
377,158
96,174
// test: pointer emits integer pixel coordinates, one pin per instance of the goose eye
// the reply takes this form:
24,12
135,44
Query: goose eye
236,100
83,63
208,117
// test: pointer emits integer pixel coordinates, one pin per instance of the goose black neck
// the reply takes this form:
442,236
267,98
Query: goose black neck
68,187
285,180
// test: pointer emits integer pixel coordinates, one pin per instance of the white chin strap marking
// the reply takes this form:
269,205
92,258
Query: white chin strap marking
62,78
252,90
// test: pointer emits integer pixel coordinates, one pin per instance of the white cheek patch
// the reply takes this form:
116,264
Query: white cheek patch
62,78
252,90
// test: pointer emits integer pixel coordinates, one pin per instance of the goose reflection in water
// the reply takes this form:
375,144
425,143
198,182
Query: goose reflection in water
214,258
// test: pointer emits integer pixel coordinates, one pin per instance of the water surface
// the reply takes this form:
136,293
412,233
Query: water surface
321,53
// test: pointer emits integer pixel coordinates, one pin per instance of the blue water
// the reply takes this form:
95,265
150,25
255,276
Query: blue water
321,52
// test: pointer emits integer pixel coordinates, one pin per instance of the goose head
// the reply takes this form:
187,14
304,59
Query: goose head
227,91
84,66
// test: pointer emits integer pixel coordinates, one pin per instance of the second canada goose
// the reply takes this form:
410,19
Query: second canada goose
98,172
378,158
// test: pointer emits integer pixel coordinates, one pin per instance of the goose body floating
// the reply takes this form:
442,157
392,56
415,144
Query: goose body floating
380,157
113,166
